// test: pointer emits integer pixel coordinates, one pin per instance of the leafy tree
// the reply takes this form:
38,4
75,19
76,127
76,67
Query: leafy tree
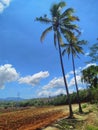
90,76
61,24
73,48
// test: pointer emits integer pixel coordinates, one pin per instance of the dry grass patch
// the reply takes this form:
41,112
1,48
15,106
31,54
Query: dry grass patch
86,121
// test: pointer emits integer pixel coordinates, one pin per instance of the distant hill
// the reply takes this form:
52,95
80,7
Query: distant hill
11,99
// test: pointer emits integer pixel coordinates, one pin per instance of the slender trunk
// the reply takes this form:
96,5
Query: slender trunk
65,82
78,98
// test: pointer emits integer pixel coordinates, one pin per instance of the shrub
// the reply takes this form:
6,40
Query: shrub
84,105
91,127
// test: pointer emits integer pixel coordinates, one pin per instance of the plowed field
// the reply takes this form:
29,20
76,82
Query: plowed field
32,118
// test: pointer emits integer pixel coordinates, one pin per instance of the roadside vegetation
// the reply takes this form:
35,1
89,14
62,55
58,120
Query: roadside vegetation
86,121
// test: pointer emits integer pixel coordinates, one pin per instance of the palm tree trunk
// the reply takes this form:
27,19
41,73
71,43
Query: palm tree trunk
78,98
65,82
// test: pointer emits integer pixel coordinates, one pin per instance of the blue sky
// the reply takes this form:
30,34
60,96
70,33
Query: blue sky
29,68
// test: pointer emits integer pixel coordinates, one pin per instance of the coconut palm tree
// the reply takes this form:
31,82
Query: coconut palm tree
73,48
60,24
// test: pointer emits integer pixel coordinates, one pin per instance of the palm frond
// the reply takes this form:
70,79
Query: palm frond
78,31
70,18
65,45
45,33
61,5
66,32
76,49
68,50
71,26
63,52
69,35
82,42
73,51
67,12
79,49
43,20
73,18
54,10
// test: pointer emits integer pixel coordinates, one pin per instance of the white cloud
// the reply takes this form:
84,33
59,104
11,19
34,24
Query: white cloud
1,7
59,91
44,93
34,79
7,74
57,83
87,53
4,4
88,65
72,81
54,83
71,73
47,93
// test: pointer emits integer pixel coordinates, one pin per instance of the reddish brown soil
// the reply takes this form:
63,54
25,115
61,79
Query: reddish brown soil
31,119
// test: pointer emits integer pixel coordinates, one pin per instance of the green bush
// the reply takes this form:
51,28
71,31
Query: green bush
84,105
91,127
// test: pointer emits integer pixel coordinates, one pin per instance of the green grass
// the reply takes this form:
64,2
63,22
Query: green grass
91,127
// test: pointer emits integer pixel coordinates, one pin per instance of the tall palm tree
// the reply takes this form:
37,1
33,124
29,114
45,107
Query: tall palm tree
60,24
73,48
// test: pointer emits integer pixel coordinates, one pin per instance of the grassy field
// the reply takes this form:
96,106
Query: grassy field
34,118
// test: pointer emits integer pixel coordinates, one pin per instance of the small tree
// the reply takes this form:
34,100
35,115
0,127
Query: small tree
90,76
93,54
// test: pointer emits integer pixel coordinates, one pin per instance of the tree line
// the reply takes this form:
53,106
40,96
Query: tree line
87,95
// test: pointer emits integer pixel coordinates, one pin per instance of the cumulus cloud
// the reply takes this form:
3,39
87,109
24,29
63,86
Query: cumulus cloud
7,74
1,7
47,93
57,82
72,81
77,71
59,91
44,93
87,53
54,83
34,79
88,65
4,4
